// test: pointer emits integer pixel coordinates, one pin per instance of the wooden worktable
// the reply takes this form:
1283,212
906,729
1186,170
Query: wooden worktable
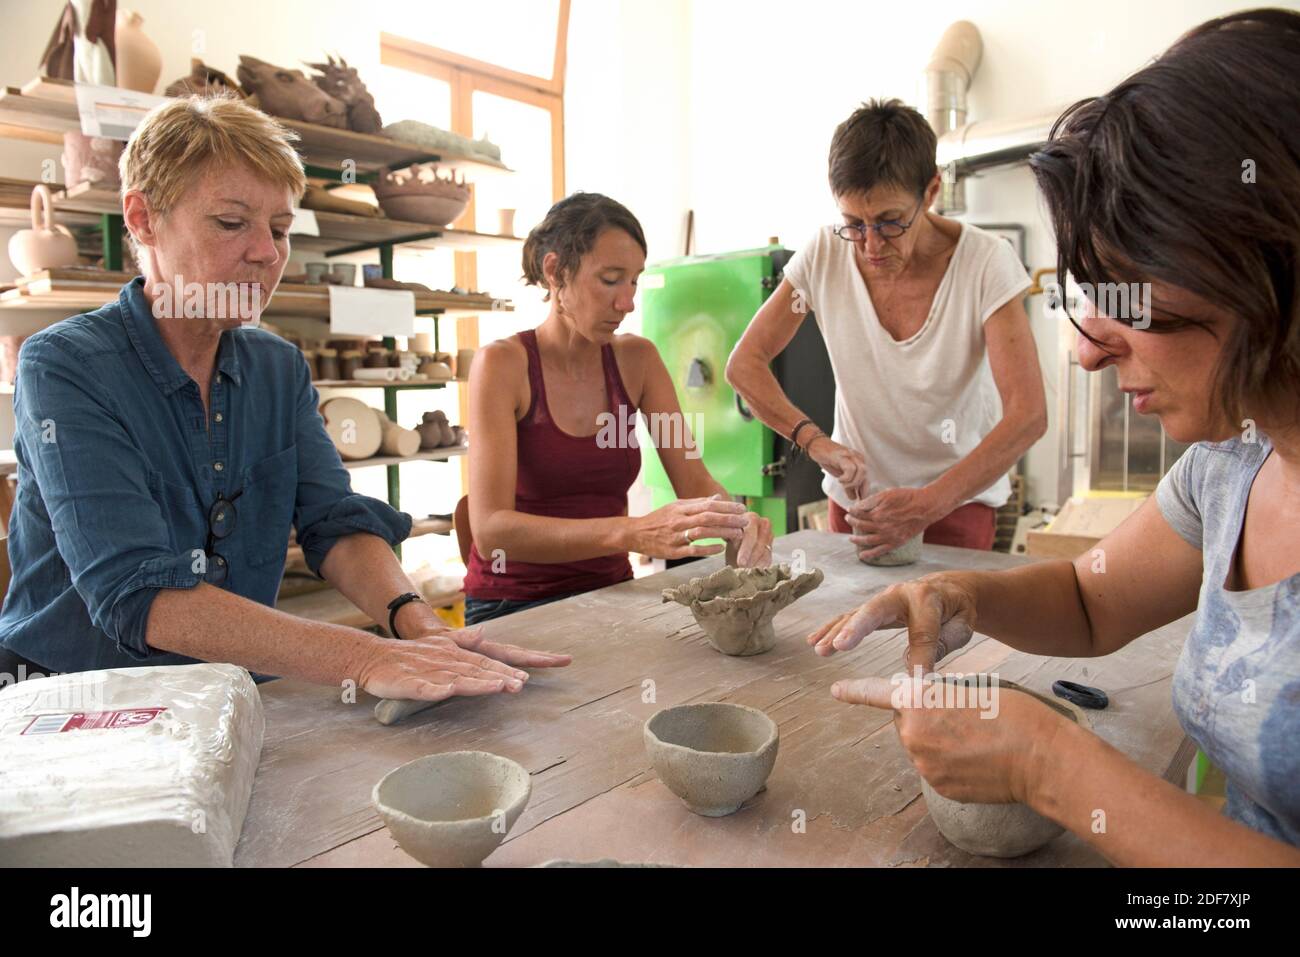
578,730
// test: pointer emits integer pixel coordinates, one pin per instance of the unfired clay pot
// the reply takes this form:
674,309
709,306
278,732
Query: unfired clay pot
735,606
713,756
904,554
139,63
417,195
452,809
46,245
996,830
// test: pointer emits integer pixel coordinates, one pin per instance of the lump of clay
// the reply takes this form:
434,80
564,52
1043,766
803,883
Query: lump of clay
435,431
996,830
735,606
288,94
114,768
904,554
437,140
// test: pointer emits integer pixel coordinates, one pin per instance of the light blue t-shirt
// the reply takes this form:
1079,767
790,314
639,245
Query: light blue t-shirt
1237,685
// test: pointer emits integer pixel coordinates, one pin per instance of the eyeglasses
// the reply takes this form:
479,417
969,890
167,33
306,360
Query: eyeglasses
221,523
891,229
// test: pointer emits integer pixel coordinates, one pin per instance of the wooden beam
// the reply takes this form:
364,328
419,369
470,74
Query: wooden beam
561,47
436,56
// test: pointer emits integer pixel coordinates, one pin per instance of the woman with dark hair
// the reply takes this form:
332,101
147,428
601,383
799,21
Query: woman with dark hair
1186,176
937,386
554,455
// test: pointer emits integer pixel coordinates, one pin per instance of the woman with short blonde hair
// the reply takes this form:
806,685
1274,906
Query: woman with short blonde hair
166,449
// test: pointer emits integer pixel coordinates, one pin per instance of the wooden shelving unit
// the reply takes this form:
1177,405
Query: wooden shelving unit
339,232
432,455
47,106
43,291
369,384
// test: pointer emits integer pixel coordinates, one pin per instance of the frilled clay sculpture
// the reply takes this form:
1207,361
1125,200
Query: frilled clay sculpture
995,830
418,194
735,606
341,82
288,94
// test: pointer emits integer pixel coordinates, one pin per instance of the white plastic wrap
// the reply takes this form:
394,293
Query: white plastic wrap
129,767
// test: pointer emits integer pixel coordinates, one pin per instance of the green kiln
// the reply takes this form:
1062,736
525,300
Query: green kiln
695,310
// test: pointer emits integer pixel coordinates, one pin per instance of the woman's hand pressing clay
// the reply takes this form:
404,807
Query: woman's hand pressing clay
989,751
937,610
884,521
754,548
433,667
668,532
842,463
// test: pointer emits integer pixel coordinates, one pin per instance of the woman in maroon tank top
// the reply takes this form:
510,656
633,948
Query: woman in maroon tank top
550,464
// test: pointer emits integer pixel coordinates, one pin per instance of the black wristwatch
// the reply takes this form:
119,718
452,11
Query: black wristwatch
395,605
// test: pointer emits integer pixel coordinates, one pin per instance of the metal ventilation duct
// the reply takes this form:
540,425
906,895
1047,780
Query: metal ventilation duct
947,77
966,148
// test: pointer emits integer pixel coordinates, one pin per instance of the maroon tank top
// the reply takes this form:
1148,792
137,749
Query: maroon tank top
563,476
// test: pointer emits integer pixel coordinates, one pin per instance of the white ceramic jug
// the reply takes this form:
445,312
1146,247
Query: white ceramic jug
46,245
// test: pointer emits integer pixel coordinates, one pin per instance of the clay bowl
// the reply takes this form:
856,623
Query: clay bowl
433,210
715,756
735,606
905,554
436,203
997,830
452,809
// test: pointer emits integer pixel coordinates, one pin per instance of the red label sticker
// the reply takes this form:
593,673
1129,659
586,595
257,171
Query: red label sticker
91,720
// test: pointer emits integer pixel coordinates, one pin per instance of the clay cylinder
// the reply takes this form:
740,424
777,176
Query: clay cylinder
352,426
394,439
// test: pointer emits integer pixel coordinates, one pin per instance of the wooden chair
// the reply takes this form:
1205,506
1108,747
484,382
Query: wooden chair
460,525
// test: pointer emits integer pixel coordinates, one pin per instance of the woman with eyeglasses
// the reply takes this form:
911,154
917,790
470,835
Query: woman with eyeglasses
1184,177
937,386
165,449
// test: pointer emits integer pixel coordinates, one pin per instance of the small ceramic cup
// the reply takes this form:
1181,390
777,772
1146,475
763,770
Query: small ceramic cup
316,272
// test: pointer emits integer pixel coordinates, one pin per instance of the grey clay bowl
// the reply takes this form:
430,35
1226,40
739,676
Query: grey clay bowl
907,553
996,830
452,809
715,757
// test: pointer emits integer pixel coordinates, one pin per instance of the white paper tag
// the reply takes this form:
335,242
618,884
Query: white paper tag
357,311
304,223
111,111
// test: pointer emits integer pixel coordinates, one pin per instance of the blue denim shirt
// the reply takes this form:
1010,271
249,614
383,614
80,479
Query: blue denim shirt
118,468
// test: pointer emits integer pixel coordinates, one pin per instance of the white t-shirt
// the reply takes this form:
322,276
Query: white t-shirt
915,408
